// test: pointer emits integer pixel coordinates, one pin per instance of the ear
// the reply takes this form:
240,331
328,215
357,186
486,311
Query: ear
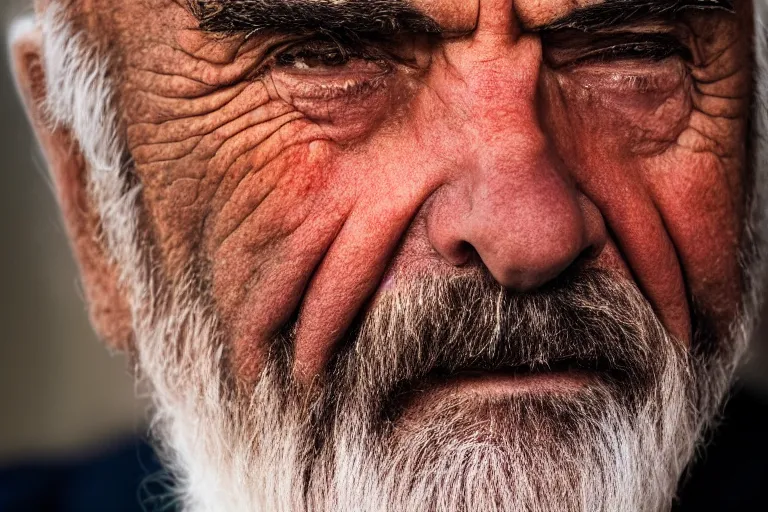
107,300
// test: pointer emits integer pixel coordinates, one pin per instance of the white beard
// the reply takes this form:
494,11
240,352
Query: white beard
227,454
511,454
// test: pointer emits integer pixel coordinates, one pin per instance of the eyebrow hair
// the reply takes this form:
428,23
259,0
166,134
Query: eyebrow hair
347,17
612,13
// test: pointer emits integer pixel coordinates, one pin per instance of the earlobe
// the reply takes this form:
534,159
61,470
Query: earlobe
107,299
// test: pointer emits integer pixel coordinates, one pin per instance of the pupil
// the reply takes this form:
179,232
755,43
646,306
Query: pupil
333,59
287,59
314,55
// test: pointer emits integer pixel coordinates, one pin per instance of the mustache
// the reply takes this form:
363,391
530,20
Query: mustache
434,326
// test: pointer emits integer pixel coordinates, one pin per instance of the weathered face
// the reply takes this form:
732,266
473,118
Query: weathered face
302,155
498,242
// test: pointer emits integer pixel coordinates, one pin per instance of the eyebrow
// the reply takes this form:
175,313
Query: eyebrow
615,13
386,18
349,17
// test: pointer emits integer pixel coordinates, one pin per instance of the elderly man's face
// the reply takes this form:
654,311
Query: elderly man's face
303,156
483,214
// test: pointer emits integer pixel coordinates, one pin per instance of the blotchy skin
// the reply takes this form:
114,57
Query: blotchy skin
301,192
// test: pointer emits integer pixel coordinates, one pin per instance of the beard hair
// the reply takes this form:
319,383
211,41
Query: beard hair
619,443
352,442
279,447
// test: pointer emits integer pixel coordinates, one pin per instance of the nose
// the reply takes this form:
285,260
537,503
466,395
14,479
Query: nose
511,200
527,225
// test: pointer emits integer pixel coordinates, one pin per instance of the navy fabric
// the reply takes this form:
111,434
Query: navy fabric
125,479
732,473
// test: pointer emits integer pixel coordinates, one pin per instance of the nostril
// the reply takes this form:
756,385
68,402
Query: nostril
576,267
466,254
459,253
524,268
584,258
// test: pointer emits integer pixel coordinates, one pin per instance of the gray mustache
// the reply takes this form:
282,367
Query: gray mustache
439,326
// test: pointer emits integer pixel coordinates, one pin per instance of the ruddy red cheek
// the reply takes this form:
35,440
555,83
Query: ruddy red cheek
627,131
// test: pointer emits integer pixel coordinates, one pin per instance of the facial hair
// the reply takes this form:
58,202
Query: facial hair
619,442
356,442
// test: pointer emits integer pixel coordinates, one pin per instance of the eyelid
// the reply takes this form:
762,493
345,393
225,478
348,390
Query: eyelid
662,79
364,72
357,50
406,50
654,51
268,54
570,47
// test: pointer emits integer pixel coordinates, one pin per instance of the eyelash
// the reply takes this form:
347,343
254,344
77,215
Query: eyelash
329,53
571,48
329,56
653,50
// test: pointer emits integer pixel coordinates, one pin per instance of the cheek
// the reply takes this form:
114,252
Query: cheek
273,228
189,163
673,212
701,199
256,183
317,243
234,149
265,243
629,114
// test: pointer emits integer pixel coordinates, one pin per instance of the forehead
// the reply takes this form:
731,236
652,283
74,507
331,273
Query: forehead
462,15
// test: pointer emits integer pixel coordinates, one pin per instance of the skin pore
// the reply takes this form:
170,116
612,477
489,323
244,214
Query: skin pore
297,174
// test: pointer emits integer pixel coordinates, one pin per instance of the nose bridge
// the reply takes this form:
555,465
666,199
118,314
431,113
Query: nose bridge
493,83
503,121
494,67
512,202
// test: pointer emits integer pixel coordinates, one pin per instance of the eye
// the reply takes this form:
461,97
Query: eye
654,50
570,48
324,56
314,54
326,69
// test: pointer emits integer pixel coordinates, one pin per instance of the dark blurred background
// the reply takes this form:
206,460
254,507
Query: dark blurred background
71,431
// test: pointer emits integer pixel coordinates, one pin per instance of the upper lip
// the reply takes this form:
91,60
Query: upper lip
553,366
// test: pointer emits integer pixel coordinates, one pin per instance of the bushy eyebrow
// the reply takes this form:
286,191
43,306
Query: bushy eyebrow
616,13
384,18
348,17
